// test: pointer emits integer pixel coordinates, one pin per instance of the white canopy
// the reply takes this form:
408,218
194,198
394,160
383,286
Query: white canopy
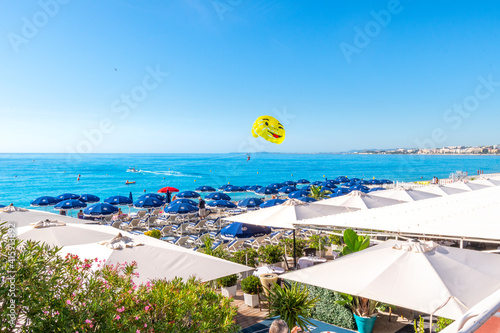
468,214
425,277
286,214
359,200
403,195
156,259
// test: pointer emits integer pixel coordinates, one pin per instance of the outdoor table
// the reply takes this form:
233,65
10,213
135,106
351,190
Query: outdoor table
309,261
268,270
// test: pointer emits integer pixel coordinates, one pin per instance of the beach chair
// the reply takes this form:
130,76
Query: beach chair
107,219
213,225
134,224
180,241
180,229
117,224
155,212
274,238
197,227
256,242
235,245
166,231
141,214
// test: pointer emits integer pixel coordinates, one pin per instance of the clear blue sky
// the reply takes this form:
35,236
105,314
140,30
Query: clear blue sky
231,61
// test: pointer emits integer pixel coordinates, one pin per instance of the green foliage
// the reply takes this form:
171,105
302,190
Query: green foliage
327,309
318,242
251,285
300,245
353,242
271,254
442,323
155,233
419,328
334,239
241,257
227,281
207,249
292,304
51,293
317,194
362,307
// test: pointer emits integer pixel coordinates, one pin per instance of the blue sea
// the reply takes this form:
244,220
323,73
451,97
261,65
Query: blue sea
24,177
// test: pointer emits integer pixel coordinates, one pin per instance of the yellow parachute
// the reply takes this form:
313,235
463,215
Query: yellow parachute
269,128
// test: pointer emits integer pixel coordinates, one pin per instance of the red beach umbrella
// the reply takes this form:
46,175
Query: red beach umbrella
168,189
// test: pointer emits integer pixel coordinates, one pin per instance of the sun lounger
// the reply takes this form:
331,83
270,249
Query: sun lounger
166,231
256,242
134,224
117,224
235,245
180,229
274,238
181,241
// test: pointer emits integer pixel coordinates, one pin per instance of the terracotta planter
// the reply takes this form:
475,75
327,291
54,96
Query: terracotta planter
228,291
251,300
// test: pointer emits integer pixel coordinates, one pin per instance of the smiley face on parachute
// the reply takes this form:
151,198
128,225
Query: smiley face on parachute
269,128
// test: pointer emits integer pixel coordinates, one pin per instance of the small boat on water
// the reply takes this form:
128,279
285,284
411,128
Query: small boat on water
127,182
133,170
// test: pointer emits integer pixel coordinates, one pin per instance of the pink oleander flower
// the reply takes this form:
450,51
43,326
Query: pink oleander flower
136,317
68,302
146,307
117,317
145,325
121,309
88,321
84,303
138,331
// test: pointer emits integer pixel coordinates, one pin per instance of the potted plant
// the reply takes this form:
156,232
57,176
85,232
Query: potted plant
292,304
251,286
228,285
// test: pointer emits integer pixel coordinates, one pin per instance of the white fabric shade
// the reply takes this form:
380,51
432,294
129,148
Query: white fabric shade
403,195
358,200
468,214
422,281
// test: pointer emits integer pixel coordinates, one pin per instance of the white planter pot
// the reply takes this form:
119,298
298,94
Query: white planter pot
228,291
251,300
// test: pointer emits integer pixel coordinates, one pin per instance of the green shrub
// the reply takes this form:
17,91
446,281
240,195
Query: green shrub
442,323
317,241
155,233
251,285
242,256
227,281
300,245
334,239
328,311
51,293
271,254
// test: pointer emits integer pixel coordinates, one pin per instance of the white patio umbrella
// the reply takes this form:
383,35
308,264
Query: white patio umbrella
466,186
487,181
287,214
439,190
426,277
155,259
359,200
403,195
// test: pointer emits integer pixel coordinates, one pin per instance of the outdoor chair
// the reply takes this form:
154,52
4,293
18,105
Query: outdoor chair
309,251
117,224
134,224
235,245
166,231
180,241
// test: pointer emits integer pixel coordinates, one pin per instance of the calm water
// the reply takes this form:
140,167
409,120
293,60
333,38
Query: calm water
24,177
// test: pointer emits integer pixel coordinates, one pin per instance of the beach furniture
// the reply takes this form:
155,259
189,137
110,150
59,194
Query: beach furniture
274,238
235,245
134,224
166,231
180,229
197,227
256,242
180,241
141,214
117,224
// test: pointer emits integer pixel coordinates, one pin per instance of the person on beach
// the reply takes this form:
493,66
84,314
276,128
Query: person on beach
62,212
80,214
278,326
201,205
174,197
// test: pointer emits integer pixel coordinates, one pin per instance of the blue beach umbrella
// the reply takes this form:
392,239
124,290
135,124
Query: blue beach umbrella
242,230
218,196
386,181
363,182
148,203
184,201
205,189
100,209
375,189
359,188
317,182
44,201
151,195
181,208
342,179
223,187
89,198
253,188
298,194
290,183
355,180
375,182
307,199
288,189
271,203
328,184
306,188
70,204
234,188
250,202
119,200
188,195
221,204
276,186
67,196
303,182
342,190
266,191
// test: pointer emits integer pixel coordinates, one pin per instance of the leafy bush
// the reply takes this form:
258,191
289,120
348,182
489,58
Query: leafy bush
328,311
50,293
271,254
353,242
334,239
155,233
251,285
442,323
219,253
241,257
316,240
227,281
300,245
292,304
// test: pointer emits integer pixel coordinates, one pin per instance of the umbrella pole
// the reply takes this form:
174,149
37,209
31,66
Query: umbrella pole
294,256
